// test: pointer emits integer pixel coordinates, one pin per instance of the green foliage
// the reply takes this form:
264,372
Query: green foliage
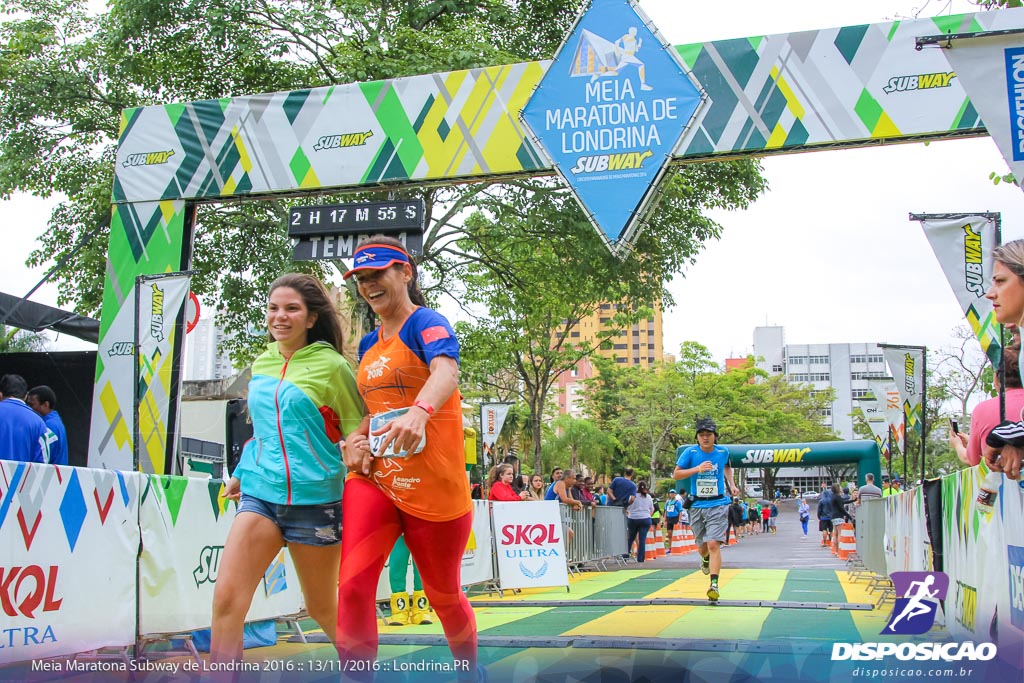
579,441
652,413
14,340
67,76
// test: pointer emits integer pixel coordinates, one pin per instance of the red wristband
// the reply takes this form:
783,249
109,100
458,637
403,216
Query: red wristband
426,407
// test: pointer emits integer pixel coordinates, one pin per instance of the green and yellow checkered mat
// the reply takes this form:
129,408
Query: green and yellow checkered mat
618,616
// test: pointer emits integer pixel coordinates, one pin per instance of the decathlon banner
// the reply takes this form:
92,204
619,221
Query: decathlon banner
907,366
1011,594
991,72
906,538
963,245
69,538
184,523
530,544
159,303
492,419
973,557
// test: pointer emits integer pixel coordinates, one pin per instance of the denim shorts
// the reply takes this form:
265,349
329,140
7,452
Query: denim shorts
305,524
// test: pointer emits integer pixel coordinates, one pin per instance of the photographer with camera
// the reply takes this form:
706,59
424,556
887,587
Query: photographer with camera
707,467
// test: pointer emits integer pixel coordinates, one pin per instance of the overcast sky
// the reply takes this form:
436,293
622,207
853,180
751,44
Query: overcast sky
828,252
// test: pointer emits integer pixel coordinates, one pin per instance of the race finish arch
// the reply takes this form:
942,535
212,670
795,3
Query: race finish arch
832,88
863,453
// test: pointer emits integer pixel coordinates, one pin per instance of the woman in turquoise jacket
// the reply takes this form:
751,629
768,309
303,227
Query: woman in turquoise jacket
302,401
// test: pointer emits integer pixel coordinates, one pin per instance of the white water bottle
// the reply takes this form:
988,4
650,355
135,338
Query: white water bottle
986,500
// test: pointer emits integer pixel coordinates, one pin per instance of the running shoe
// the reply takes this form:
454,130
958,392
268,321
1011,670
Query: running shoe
705,564
713,592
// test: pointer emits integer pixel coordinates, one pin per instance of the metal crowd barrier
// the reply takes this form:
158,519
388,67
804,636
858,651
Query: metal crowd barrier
599,535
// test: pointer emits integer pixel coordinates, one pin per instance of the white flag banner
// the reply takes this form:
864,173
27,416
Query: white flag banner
160,303
886,391
963,245
874,414
492,419
991,72
907,366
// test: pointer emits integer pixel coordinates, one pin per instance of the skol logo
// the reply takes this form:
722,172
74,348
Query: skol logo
24,589
611,162
148,158
974,279
532,534
156,320
343,140
919,82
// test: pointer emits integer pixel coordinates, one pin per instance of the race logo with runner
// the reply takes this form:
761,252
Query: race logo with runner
918,595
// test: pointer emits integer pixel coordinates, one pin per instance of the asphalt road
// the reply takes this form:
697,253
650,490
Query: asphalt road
785,549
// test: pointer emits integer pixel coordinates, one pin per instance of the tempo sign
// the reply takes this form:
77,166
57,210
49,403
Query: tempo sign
332,231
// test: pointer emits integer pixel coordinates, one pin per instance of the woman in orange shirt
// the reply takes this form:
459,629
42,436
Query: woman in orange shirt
406,460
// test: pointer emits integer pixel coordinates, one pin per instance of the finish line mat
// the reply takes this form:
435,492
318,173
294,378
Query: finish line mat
630,624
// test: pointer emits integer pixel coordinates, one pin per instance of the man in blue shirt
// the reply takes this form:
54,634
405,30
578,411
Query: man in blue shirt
622,489
23,434
707,467
42,400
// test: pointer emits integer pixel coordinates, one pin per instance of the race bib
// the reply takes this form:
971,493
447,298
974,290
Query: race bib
707,486
380,420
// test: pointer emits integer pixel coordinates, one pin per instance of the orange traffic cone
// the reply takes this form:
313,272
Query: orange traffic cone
689,540
847,542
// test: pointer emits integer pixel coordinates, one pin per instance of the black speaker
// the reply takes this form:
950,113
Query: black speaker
238,430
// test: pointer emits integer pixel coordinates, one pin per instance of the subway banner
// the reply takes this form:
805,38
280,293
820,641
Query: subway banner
963,245
991,71
184,523
968,534
906,543
69,538
145,238
160,304
907,366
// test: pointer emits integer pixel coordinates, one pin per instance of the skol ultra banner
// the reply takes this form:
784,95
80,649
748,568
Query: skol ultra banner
530,543
963,245
492,419
991,70
907,366
69,537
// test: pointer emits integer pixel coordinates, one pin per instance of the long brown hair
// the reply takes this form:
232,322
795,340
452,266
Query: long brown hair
327,326
414,286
